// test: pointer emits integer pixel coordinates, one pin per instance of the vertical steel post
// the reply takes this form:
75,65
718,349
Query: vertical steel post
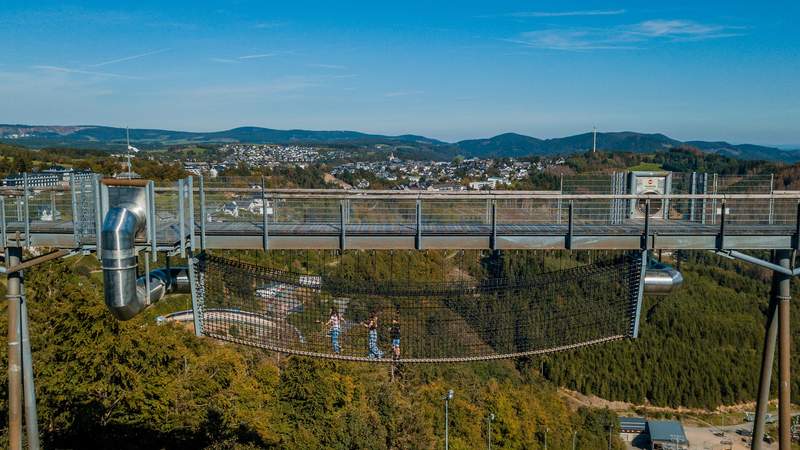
570,227
190,197
98,218
493,243
693,191
27,210
203,218
342,224
558,202
13,286
196,309
3,236
75,218
418,214
767,358
639,296
705,191
181,217
264,223
784,356
151,220
29,391
53,204
771,199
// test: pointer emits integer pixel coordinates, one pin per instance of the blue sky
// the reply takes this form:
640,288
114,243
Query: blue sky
693,70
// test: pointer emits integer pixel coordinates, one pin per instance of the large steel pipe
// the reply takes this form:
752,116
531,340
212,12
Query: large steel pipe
662,280
119,260
162,282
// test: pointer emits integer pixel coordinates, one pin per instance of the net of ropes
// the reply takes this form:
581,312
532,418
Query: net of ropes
332,315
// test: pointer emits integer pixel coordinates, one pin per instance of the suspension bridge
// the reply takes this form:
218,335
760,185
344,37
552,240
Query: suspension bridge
619,218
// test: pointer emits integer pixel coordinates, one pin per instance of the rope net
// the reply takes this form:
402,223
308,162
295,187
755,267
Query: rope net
332,315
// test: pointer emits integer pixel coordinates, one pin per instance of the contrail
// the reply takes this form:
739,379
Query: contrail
128,58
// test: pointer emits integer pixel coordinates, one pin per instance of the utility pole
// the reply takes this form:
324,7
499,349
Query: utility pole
574,440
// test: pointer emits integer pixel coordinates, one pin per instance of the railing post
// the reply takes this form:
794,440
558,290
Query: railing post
151,220
75,223
193,286
570,226
558,202
3,237
264,221
203,217
693,191
181,217
721,236
418,214
27,210
190,197
705,192
98,218
493,243
342,224
646,236
771,200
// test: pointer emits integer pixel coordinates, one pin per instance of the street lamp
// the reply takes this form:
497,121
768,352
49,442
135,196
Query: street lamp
447,399
489,430
545,437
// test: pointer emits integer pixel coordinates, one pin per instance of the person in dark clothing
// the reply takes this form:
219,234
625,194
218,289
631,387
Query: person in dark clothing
394,332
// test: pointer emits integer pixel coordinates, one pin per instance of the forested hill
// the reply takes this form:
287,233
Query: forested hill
502,145
699,347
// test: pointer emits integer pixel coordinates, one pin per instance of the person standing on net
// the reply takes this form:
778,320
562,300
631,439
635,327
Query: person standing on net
372,326
394,332
335,324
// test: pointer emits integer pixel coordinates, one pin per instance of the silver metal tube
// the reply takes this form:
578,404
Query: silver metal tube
29,391
119,261
661,281
13,286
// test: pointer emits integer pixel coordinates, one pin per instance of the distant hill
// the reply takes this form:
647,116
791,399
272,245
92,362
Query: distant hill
91,135
502,145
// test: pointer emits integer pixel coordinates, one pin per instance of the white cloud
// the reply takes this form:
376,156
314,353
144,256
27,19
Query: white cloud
258,56
594,12
83,72
128,58
623,37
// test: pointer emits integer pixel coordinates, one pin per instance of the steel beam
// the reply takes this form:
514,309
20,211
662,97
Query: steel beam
767,358
784,356
29,391
14,288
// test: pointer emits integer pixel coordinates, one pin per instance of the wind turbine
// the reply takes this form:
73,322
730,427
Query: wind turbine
594,139
130,149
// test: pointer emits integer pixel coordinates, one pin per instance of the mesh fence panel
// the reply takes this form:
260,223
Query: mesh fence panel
330,316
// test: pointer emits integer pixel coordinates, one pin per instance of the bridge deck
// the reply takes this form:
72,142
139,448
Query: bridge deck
627,235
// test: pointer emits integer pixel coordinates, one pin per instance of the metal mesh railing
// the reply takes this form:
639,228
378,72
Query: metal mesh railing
332,315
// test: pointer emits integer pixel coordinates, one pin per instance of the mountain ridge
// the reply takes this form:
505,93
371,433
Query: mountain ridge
502,145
